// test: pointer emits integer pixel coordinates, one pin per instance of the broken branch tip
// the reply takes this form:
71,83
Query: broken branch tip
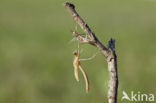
68,4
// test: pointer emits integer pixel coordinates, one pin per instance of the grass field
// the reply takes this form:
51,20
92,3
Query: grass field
36,54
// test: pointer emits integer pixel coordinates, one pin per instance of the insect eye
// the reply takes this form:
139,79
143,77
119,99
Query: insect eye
75,52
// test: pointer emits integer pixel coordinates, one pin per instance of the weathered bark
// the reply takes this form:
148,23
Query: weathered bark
108,52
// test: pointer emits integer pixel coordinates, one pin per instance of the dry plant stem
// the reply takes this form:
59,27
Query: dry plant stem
109,52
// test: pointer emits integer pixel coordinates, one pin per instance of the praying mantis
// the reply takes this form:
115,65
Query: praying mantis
77,65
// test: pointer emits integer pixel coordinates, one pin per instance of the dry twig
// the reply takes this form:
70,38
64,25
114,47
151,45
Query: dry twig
109,52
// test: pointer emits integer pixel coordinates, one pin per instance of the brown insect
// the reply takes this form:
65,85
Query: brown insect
77,65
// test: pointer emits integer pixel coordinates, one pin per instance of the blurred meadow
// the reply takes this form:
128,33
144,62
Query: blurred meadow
36,53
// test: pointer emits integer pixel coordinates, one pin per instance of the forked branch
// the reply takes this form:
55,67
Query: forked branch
109,52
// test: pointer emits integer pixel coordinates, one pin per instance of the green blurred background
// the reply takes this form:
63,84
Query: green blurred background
36,52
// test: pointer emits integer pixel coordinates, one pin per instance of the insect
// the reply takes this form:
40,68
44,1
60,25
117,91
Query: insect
77,65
